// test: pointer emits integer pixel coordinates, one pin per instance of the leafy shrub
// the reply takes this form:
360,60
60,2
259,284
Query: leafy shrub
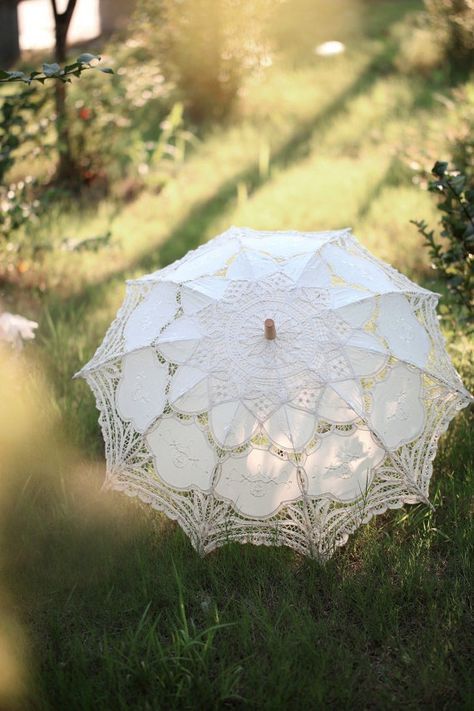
453,24
441,37
26,133
419,51
452,251
126,128
206,47
19,135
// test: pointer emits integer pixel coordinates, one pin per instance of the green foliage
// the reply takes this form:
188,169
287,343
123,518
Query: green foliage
184,666
126,129
439,39
452,21
18,133
386,623
26,133
23,126
54,71
452,252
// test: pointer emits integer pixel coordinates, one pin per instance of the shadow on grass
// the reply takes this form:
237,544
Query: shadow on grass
189,232
116,604
98,578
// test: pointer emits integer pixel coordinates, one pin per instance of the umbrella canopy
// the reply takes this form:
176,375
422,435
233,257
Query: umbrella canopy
274,387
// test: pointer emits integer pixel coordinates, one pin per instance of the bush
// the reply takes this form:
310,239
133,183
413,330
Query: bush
419,50
123,129
206,48
452,22
27,133
452,251
439,38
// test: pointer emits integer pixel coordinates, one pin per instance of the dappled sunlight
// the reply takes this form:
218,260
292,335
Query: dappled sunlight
14,656
329,49
301,25
310,193
358,122
229,156
277,115
58,530
19,425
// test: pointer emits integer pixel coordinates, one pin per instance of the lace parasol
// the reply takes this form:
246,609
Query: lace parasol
274,387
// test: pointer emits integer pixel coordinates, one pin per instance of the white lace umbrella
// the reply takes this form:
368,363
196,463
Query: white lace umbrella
274,387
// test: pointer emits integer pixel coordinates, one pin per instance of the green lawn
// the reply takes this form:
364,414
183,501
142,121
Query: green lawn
106,604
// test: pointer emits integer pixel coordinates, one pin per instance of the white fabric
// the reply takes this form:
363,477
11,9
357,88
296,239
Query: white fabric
398,412
258,483
295,440
182,454
141,391
343,465
15,329
146,322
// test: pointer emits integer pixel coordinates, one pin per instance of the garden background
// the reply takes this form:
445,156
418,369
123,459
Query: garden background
212,113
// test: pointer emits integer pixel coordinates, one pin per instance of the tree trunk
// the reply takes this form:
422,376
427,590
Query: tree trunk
66,169
115,14
9,34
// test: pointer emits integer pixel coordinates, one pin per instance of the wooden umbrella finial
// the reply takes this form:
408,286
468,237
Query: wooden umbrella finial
270,330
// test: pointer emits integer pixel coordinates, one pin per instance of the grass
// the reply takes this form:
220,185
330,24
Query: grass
106,605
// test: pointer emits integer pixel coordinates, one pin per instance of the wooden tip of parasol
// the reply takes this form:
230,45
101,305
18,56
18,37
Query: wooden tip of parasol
270,330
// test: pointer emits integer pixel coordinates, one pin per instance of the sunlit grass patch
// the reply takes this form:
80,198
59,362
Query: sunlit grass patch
113,603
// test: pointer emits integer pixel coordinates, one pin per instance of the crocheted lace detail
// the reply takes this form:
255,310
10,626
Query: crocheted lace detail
295,441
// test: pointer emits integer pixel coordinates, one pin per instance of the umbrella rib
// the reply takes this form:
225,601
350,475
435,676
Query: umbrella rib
388,452
425,293
92,366
305,497
156,276
382,266
451,386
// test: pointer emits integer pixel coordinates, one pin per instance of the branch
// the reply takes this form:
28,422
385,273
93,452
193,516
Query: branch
54,71
67,14
461,203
